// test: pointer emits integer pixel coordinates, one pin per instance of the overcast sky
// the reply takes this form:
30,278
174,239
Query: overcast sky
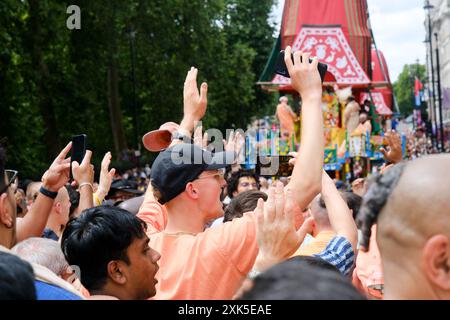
398,27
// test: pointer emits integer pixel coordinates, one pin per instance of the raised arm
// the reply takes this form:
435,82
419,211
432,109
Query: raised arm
340,216
307,174
194,104
106,178
57,175
83,174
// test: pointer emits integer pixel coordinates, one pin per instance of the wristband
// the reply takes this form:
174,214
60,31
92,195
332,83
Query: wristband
86,184
48,193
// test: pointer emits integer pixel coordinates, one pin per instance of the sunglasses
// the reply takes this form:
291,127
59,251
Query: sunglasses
11,176
220,173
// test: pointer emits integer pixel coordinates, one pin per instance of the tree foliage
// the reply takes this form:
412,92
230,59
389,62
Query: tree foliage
56,82
404,86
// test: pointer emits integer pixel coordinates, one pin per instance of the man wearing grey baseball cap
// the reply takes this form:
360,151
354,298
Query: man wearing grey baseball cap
184,195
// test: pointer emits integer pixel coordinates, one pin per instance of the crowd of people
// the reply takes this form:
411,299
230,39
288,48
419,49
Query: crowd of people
205,228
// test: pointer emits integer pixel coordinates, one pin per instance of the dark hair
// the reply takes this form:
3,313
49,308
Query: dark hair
233,180
74,197
16,278
380,189
98,236
302,278
353,202
243,202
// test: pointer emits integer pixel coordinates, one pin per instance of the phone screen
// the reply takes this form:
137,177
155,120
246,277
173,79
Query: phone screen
78,150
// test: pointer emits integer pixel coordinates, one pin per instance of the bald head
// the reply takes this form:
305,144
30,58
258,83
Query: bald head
418,205
33,190
319,213
410,204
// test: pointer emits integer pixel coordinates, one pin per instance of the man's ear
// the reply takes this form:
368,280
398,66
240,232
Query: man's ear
116,272
57,206
436,261
6,215
192,191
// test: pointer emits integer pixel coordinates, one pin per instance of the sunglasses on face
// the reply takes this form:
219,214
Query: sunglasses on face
11,176
220,173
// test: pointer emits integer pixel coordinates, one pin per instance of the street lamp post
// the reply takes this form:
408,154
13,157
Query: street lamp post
428,7
441,124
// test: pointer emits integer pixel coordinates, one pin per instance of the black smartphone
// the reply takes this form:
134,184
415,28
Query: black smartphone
79,145
281,69
274,166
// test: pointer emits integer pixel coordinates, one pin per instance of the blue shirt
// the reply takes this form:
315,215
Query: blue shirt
339,253
50,234
45,291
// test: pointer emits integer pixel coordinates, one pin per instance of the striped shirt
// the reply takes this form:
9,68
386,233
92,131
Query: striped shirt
339,253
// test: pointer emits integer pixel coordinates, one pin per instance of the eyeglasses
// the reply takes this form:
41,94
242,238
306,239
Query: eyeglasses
220,174
11,176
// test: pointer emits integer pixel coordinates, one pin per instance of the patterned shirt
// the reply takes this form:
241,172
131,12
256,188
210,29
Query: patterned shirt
339,253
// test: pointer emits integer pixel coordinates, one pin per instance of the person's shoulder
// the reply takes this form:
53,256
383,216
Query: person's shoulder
46,291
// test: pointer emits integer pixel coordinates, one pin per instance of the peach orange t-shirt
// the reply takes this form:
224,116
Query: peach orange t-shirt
317,244
208,265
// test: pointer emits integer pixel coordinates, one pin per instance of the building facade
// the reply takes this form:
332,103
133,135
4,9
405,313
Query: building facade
440,26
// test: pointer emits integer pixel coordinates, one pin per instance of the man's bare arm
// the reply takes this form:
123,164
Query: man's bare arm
307,173
340,216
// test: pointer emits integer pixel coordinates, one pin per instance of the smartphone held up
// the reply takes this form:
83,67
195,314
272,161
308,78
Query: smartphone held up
281,69
79,146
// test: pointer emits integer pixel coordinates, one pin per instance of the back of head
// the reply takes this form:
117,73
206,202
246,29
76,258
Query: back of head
353,202
242,203
302,278
33,190
74,196
100,235
16,278
44,252
319,213
409,203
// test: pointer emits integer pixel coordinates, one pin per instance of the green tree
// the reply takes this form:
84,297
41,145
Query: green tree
404,86
57,82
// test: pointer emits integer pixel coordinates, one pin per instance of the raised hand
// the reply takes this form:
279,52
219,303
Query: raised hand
305,77
235,143
276,234
194,101
394,150
200,139
106,175
84,172
58,173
